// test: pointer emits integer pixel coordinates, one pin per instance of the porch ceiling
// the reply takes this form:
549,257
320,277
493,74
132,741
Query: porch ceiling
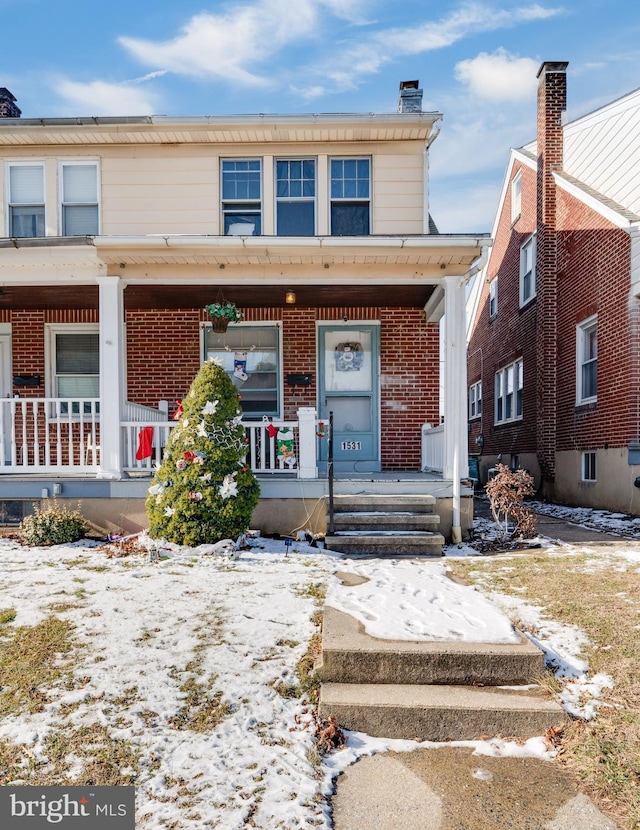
155,295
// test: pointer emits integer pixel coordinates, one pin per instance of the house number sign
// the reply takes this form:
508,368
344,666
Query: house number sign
351,445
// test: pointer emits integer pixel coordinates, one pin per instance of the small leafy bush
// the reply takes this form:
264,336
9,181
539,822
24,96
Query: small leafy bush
53,525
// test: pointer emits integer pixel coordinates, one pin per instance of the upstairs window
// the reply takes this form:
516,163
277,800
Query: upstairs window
508,393
528,270
242,197
26,200
475,400
350,197
295,197
587,361
79,198
493,298
516,196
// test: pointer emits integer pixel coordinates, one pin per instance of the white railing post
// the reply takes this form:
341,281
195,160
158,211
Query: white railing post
307,457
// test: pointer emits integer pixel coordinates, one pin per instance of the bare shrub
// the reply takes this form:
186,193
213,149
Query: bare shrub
507,491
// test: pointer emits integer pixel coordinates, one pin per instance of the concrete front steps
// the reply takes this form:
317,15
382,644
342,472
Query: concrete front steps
429,690
385,525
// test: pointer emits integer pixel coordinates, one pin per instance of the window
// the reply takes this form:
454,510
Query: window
516,196
295,197
251,357
508,393
475,400
242,197
74,364
79,199
587,361
493,298
588,466
528,270
26,200
350,197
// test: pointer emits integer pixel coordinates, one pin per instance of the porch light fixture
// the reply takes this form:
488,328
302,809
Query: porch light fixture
290,297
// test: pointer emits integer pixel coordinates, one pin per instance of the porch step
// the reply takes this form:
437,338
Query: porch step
350,655
437,713
385,525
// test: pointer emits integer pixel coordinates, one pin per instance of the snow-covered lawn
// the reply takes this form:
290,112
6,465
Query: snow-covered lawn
157,642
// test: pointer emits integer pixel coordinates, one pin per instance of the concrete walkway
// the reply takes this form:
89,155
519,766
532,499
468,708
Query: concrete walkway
451,789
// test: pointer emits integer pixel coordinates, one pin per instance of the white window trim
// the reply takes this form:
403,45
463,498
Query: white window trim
84,162
7,177
51,330
277,199
475,398
240,202
493,297
530,242
583,465
331,200
518,386
254,324
516,201
580,331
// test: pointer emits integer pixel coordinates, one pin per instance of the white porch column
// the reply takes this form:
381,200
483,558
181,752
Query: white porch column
112,373
456,461
308,463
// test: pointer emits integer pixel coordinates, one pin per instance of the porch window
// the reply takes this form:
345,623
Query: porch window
295,197
79,199
26,200
251,357
587,361
350,196
75,360
508,393
242,197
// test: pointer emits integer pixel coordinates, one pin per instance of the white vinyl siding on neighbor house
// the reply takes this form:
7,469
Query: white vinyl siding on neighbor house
475,400
587,360
528,270
242,197
79,198
295,191
26,199
493,298
350,196
516,196
508,393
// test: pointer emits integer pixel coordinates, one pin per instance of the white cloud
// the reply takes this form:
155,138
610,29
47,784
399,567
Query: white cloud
500,76
103,98
228,45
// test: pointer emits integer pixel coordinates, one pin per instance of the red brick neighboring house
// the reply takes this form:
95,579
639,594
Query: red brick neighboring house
553,334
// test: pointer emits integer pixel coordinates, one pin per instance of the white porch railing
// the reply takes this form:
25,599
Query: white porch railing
60,435
432,448
49,434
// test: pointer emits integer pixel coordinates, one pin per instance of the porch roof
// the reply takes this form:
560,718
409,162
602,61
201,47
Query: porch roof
180,271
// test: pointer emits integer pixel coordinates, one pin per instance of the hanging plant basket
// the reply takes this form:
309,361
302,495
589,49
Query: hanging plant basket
220,324
222,313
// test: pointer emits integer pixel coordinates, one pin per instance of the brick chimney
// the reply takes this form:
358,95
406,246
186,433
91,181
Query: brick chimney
8,106
410,99
552,104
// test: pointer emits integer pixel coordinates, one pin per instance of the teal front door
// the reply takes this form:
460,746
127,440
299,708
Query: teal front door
348,388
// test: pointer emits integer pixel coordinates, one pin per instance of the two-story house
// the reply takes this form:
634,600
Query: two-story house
554,347
119,231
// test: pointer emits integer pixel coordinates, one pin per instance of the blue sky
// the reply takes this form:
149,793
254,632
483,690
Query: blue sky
476,61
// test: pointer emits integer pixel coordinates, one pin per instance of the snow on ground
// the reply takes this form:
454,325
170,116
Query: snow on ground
140,626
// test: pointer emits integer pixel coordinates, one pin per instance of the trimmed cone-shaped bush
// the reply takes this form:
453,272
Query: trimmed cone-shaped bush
204,491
